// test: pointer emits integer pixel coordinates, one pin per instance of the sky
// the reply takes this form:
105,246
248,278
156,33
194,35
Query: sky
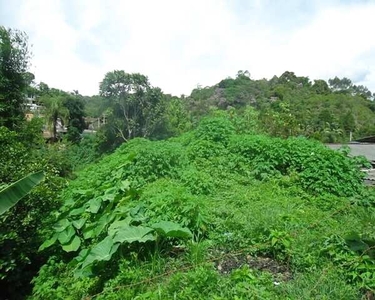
182,44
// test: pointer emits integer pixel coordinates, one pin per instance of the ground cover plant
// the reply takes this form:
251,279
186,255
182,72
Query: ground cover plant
214,214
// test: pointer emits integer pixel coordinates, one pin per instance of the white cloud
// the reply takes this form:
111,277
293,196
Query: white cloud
179,44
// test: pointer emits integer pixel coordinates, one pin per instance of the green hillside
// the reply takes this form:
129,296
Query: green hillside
213,214
292,105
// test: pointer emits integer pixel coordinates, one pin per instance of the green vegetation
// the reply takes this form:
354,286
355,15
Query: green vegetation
213,214
225,194
11,194
290,105
14,79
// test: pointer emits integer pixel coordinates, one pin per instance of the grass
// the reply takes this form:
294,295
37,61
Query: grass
242,220
259,232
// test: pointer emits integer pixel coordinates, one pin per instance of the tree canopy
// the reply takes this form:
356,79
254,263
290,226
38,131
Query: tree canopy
14,78
135,106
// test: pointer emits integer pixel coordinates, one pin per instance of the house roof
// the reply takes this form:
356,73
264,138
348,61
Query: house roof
367,150
368,139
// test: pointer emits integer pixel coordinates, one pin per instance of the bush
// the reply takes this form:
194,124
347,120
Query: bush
320,170
199,149
83,153
154,160
26,225
198,182
167,200
54,282
216,129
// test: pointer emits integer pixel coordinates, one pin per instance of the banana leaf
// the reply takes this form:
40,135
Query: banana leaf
17,190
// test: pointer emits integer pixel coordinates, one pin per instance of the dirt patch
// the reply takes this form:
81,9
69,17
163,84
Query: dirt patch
231,262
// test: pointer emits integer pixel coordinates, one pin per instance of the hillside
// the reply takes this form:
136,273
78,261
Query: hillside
214,214
292,105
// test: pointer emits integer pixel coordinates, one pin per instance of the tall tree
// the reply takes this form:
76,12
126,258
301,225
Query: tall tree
14,62
54,112
340,85
321,87
177,116
76,124
362,91
136,106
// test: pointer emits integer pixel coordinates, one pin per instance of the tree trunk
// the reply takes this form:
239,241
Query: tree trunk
54,129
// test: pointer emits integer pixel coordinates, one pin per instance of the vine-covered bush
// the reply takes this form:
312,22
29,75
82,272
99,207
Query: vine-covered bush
319,169
150,206
216,129
153,160
102,216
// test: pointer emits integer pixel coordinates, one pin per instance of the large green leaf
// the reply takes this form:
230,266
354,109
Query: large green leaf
61,225
94,205
130,234
48,243
73,245
16,191
77,211
84,272
79,223
65,236
102,251
171,229
82,255
103,221
88,232
118,224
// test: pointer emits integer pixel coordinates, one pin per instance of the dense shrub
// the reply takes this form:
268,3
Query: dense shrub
204,149
198,182
168,200
104,219
24,227
320,170
83,153
13,151
217,129
155,160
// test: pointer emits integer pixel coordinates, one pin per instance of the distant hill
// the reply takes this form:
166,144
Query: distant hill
293,105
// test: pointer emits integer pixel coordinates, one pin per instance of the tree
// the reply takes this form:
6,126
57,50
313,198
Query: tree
362,91
279,121
95,105
321,87
292,80
243,75
43,89
177,116
54,112
340,85
136,106
76,125
287,76
14,62
23,227
348,122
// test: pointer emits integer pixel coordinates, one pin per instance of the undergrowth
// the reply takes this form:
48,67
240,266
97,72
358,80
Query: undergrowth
154,219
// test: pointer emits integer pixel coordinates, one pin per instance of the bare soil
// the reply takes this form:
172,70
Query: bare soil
234,261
